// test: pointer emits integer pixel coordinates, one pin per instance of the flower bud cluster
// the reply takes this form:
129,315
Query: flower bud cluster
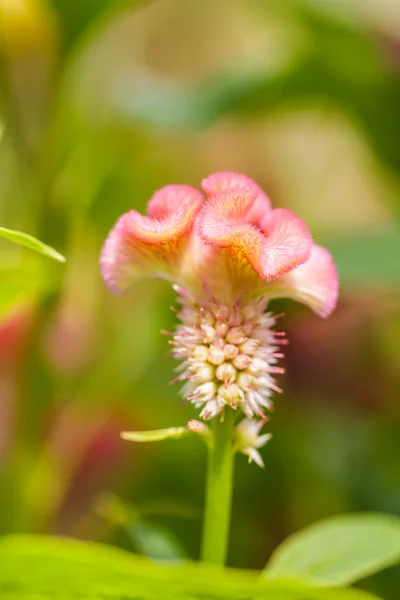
229,355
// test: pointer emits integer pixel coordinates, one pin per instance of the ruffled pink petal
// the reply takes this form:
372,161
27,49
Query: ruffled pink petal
288,241
240,184
314,283
150,246
283,243
173,200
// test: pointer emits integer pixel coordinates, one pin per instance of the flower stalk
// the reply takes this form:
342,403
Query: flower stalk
218,501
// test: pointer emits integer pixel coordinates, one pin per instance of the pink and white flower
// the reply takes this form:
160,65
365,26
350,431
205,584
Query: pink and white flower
227,253
248,441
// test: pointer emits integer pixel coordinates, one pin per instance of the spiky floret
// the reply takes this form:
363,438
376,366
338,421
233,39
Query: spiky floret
228,355
248,440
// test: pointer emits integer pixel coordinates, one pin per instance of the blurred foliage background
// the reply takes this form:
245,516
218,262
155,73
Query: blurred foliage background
102,103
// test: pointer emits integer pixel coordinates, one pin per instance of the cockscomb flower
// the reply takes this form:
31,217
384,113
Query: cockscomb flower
228,253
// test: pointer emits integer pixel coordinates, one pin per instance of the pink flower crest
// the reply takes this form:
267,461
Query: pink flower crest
228,252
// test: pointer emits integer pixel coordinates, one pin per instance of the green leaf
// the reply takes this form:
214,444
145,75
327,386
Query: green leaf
371,257
28,241
155,542
19,284
77,15
34,567
339,550
13,289
338,66
148,538
156,435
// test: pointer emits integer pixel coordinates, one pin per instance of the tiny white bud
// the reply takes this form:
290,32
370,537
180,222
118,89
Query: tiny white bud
245,380
249,347
221,328
206,390
230,394
216,355
241,361
200,353
207,319
188,389
199,428
230,351
209,333
247,431
260,333
189,315
258,366
250,312
255,456
226,372
247,328
248,440
221,312
211,409
204,373
265,381
235,336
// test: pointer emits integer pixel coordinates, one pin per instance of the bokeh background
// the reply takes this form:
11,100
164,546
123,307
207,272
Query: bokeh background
101,104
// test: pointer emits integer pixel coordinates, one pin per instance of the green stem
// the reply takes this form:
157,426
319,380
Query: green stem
218,503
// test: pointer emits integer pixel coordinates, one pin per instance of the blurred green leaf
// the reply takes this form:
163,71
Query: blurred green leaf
28,241
311,79
370,258
339,550
168,507
77,15
338,66
156,435
117,512
148,538
19,283
14,288
32,567
155,542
